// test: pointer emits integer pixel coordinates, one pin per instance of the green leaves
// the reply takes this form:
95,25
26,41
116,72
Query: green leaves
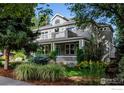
97,11
25,72
17,10
50,72
15,26
42,17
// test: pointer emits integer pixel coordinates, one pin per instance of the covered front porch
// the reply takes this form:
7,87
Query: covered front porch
66,50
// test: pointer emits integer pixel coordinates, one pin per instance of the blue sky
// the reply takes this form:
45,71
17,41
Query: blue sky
60,8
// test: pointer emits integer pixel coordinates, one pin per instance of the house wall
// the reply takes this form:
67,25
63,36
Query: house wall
67,59
57,18
76,32
61,34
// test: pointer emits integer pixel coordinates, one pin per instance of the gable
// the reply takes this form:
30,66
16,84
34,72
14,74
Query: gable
58,19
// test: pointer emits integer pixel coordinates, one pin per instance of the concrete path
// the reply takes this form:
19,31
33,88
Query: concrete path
9,81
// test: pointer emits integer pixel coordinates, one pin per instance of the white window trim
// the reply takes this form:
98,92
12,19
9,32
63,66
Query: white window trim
69,49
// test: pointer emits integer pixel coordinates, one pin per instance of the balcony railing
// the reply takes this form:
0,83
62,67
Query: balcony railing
54,35
63,34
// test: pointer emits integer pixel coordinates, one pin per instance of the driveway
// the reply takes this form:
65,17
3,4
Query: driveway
9,81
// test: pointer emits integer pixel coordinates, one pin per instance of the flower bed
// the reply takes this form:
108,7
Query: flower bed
66,81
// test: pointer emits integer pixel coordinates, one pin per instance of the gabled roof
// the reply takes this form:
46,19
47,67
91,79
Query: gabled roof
70,22
57,14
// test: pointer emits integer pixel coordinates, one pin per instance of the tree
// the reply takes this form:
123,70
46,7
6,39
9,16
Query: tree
113,13
110,13
15,28
93,49
42,17
40,21
121,69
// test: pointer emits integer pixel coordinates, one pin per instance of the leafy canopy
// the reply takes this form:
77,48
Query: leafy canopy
110,13
15,26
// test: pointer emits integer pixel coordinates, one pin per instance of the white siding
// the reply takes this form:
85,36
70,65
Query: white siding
58,18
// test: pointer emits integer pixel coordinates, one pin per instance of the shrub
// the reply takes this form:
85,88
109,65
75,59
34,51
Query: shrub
39,52
53,55
83,65
121,68
13,65
1,65
26,72
112,70
80,55
71,65
19,55
51,72
42,59
93,68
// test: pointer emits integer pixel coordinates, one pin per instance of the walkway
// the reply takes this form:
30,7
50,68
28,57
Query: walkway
9,81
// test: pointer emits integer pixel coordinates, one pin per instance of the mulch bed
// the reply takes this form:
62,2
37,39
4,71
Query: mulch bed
75,80
6,73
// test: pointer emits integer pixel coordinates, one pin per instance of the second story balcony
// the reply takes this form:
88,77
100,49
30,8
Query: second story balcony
63,35
57,35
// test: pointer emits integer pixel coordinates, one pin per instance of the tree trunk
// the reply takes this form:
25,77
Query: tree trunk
6,56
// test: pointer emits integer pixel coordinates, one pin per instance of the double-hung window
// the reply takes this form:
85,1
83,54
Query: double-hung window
44,35
70,49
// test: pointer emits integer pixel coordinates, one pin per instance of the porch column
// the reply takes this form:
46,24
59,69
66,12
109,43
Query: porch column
81,44
53,46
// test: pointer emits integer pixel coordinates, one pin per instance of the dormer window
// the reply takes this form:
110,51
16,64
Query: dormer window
57,21
105,28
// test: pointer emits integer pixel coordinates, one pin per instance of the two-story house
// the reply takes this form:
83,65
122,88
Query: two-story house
65,37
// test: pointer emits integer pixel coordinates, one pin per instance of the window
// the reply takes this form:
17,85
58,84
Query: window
57,21
44,35
105,28
67,49
70,49
58,49
57,30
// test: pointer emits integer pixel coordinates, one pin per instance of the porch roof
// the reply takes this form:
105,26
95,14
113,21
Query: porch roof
62,40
